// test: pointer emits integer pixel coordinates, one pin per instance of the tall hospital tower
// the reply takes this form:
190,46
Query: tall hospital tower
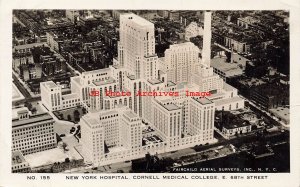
125,127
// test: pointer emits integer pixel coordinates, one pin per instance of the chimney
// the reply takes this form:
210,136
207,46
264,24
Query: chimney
229,18
231,55
207,39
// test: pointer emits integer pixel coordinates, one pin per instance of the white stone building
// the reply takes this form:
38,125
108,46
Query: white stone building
32,133
111,133
52,98
180,60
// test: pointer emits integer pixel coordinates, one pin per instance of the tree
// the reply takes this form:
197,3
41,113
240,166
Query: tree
33,110
83,110
76,115
28,105
67,160
69,117
228,56
64,146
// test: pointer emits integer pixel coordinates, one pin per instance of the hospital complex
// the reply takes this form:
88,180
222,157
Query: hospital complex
127,126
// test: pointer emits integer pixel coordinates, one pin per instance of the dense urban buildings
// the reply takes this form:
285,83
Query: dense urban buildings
138,69
122,85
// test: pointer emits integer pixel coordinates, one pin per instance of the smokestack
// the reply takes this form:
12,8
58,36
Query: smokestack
231,55
206,39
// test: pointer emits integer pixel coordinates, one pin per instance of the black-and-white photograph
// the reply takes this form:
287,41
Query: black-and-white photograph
150,91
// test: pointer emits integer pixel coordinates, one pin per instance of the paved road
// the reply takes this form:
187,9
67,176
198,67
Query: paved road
21,87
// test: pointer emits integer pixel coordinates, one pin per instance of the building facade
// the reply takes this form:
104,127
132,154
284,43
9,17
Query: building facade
32,133
120,128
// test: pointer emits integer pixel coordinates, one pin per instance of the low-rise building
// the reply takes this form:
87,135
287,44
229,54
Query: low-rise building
19,164
226,70
32,133
232,125
270,95
53,99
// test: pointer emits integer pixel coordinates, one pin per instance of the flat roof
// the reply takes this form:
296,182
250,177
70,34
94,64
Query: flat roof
230,69
110,80
116,149
32,119
252,81
228,100
170,83
16,94
131,77
17,158
137,19
51,156
170,107
96,71
117,66
228,87
178,45
236,124
203,100
50,84
76,79
92,117
18,47
70,96
16,111
130,114
281,112
154,81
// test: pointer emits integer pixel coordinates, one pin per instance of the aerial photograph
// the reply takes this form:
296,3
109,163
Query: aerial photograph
150,91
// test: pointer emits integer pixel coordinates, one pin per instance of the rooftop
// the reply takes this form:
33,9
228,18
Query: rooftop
170,83
26,46
57,155
16,111
203,100
16,94
228,87
76,79
231,121
110,80
170,106
252,81
226,101
70,96
282,112
17,158
130,114
50,84
95,71
137,19
116,149
230,69
32,119
131,77
154,81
